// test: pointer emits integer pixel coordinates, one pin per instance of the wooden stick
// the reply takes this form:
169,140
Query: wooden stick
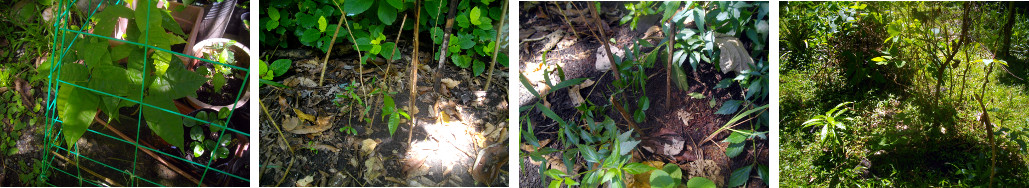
496,47
283,137
325,60
412,85
446,42
108,180
603,39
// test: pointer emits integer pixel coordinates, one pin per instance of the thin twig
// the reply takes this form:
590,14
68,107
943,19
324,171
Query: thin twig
283,137
496,47
108,180
325,60
569,22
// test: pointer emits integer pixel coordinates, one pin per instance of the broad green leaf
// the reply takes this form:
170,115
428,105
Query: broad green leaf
462,61
729,107
79,106
696,95
177,82
762,171
674,171
437,35
661,179
280,66
589,154
217,81
735,149
273,13
735,137
462,20
387,14
110,15
478,67
473,16
321,23
740,176
637,168
166,125
147,19
388,52
398,4
354,7
310,35
700,182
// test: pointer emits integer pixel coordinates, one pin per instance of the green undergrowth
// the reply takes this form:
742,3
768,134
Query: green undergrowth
899,136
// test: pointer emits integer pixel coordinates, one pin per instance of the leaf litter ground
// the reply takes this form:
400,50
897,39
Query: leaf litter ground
685,118
443,148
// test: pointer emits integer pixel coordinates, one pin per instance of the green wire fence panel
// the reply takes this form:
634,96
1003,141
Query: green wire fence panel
119,93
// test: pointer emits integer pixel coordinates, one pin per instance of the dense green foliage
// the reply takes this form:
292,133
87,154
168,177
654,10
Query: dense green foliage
915,75
166,77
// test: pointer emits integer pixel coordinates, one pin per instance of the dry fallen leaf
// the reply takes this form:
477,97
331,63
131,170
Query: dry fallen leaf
367,146
373,169
306,182
323,123
450,83
299,81
574,94
290,123
303,116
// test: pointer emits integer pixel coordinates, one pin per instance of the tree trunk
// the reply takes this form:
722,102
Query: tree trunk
1005,36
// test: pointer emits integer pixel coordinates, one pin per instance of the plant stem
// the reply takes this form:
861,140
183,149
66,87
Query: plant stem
985,119
603,40
496,48
412,84
325,60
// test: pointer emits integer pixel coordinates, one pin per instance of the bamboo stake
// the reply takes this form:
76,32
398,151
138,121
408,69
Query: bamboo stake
496,47
108,180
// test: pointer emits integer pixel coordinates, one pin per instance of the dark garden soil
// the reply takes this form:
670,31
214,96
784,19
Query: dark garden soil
228,93
439,154
684,118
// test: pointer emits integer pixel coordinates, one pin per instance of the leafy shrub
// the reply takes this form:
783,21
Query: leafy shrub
166,78
831,123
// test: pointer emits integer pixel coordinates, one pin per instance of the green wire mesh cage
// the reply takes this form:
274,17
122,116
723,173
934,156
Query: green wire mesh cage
116,88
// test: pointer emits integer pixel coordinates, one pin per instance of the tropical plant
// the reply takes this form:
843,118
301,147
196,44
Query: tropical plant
831,123
166,77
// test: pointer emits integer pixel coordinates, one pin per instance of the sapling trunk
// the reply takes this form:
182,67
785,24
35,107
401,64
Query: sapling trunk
325,60
496,48
443,46
614,67
412,84
985,120
668,70
953,51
